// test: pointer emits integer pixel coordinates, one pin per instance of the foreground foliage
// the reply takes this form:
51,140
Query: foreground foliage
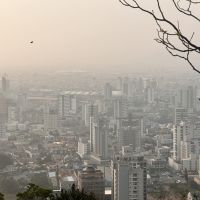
1,196
34,192
73,194
176,191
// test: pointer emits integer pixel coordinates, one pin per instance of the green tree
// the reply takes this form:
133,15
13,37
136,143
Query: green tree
196,196
73,194
34,192
1,196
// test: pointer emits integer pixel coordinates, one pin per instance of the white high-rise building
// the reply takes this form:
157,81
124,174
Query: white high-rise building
92,111
129,176
83,148
92,120
179,132
191,149
186,145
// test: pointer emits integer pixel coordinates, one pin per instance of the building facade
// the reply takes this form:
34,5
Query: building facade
129,176
92,181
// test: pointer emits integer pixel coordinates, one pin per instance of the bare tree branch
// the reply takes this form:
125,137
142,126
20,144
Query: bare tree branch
175,42
187,11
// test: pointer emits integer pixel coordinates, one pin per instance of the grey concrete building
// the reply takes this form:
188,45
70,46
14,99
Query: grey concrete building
129,176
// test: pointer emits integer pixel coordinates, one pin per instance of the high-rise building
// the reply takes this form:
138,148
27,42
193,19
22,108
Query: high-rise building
3,114
186,146
191,97
125,86
120,107
119,84
89,110
129,176
91,115
5,84
92,120
21,106
129,132
139,85
50,119
12,113
180,130
186,97
190,148
100,139
67,105
131,88
83,147
108,91
181,115
150,95
92,181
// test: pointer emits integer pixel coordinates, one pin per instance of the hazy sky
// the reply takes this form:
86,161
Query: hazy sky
77,34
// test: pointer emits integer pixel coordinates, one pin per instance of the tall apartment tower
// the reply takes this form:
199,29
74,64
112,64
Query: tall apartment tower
179,132
139,85
100,139
92,112
125,86
129,132
129,176
186,97
83,148
5,83
191,97
92,181
3,114
120,107
89,110
21,106
150,95
119,84
108,91
67,105
181,114
186,146
50,119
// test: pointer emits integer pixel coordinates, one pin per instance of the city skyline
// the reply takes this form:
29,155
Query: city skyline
99,100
